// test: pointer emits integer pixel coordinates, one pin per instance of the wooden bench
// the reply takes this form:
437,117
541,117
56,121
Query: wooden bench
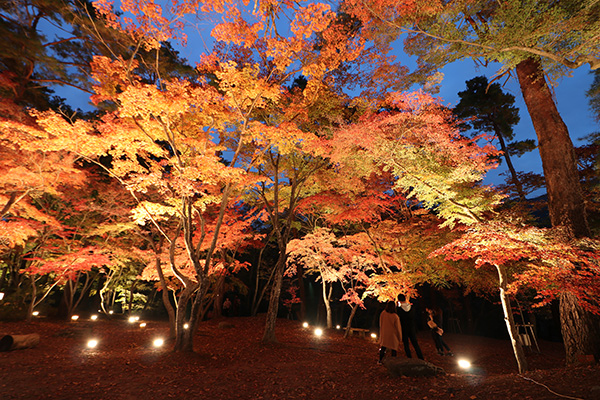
359,331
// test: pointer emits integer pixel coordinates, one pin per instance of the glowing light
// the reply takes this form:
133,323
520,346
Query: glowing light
111,312
337,327
74,317
158,342
35,313
374,335
136,318
132,320
319,332
94,317
305,325
1,295
464,364
143,325
186,326
92,343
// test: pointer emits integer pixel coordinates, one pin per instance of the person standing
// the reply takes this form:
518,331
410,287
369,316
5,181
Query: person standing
390,331
409,327
435,324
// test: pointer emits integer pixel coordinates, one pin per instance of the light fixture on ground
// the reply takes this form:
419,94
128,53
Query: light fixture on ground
111,312
464,364
74,317
337,327
374,335
319,332
92,343
35,313
186,326
158,342
143,325
305,325
1,295
94,317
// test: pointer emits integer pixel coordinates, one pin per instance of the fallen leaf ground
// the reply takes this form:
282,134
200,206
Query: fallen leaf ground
231,363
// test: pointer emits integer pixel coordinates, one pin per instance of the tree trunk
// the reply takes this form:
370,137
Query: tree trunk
269,334
565,199
301,291
183,337
16,342
327,303
510,321
165,297
580,330
349,324
511,168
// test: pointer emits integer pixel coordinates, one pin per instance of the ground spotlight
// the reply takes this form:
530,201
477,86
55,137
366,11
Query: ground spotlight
143,325
131,320
464,364
186,326
337,327
111,312
374,335
94,317
92,343
318,332
158,342
35,313
74,317
305,325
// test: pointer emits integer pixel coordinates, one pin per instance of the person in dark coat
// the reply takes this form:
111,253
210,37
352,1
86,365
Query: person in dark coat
409,326
435,324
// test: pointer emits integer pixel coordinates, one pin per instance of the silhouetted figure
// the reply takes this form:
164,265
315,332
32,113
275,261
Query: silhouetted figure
390,331
226,307
409,329
435,324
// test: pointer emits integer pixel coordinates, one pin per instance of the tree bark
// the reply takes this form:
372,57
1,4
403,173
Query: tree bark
509,164
15,342
510,321
269,335
349,324
301,291
326,301
165,296
565,199
580,330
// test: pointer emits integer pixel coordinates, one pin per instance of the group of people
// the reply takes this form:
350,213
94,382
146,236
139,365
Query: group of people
398,324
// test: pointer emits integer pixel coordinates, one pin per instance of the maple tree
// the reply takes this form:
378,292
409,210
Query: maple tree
336,261
166,139
533,37
549,265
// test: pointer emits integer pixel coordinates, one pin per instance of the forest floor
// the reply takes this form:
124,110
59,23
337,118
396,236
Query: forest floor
230,362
